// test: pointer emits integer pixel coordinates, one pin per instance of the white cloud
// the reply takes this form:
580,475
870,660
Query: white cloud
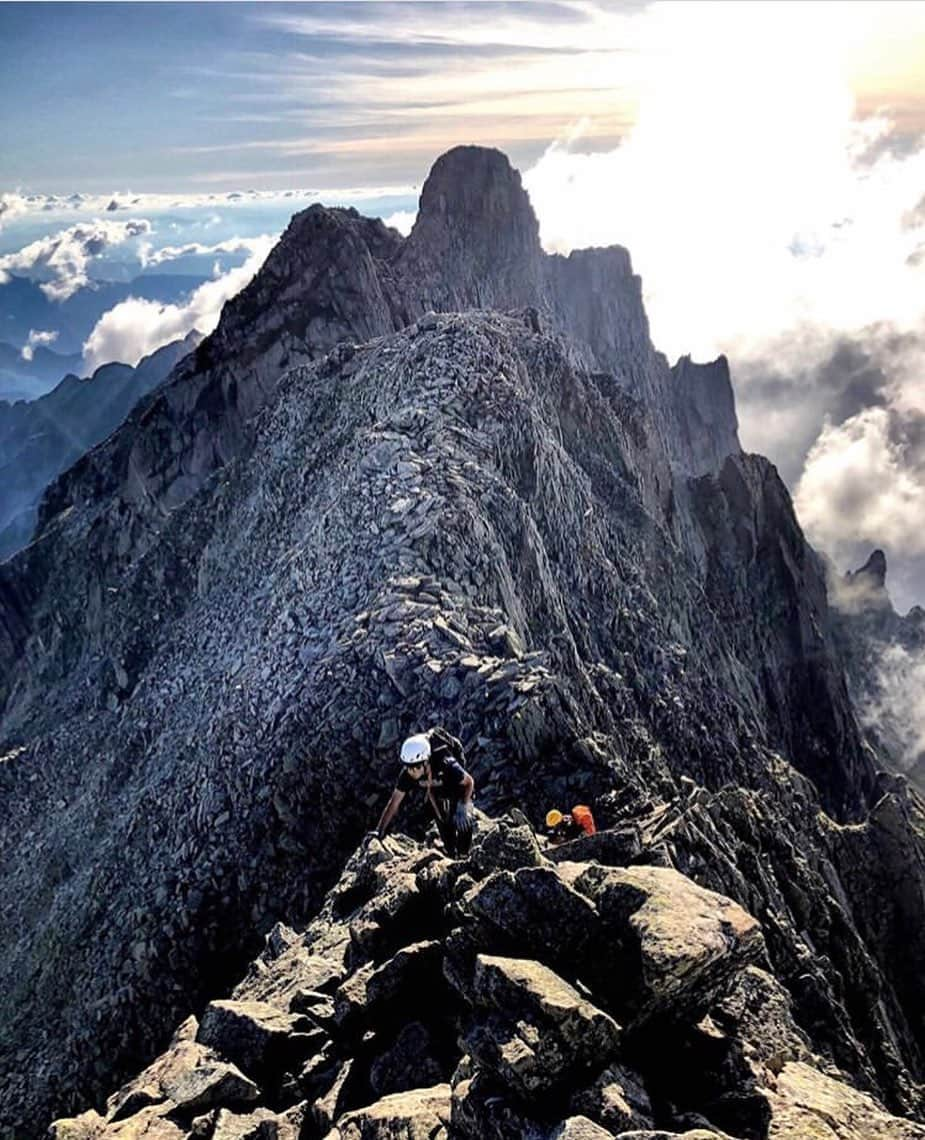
591,25
63,257
37,337
741,196
92,205
896,708
136,327
150,256
861,488
10,206
401,220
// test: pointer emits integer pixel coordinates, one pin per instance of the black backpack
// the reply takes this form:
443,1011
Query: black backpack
444,746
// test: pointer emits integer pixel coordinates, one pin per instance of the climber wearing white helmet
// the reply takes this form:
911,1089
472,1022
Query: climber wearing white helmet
432,761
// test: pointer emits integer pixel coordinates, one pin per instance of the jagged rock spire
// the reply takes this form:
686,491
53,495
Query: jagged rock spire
872,573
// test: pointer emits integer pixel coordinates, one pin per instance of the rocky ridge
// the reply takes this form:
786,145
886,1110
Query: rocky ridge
336,276
238,605
508,997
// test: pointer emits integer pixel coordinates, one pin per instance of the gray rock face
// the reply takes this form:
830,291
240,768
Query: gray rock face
706,414
537,1027
871,577
254,589
475,243
402,502
662,965
253,1035
753,548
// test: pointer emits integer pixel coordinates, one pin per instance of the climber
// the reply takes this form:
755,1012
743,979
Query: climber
561,828
432,761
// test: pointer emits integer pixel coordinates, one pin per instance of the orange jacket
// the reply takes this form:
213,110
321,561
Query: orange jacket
581,814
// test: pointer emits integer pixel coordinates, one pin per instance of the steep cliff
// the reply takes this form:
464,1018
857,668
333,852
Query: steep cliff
512,523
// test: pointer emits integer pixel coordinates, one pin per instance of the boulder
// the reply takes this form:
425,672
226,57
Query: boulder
615,847
242,1126
419,1114
87,1126
379,925
534,913
148,1087
483,1109
543,1033
707,1075
327,1108
149,1124
139,1097
317,1075
504,846
579,1128
691,1134
408,981
410,1060
207,1084
757,1008
807,1105
293,971
188,1075
676,945
616,1100
254,1035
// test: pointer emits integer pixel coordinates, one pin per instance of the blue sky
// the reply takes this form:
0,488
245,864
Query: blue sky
175,96
94,96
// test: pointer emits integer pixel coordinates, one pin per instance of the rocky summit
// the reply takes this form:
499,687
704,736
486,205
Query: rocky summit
442,479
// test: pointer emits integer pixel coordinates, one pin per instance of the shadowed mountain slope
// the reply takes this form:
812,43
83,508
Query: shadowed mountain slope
39,440
22,379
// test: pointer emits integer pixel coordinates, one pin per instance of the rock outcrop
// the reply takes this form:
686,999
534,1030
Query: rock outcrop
238,604
665,1023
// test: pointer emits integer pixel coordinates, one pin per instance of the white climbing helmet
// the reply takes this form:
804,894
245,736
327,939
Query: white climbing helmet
415,750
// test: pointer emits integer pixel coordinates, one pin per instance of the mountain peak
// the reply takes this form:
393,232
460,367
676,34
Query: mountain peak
473,192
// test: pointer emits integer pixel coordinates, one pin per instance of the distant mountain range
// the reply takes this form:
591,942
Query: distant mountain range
23,307
42,438
27,379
